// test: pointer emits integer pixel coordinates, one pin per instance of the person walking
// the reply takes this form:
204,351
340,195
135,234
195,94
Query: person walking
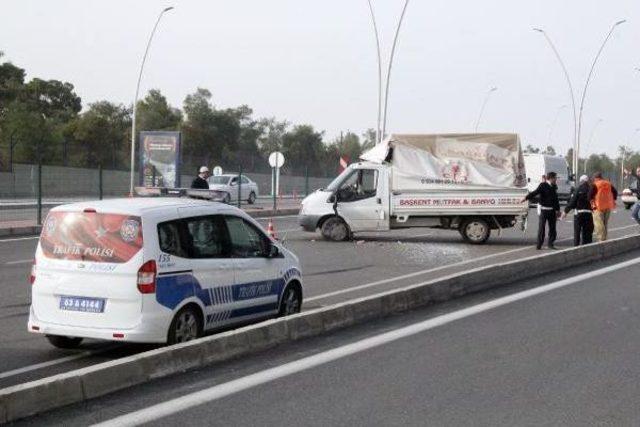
583,218
635,211
603,197
201,182
549,208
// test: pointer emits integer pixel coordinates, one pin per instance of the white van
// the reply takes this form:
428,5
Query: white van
537,165
156,270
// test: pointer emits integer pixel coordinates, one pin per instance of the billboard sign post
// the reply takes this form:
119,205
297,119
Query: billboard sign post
160,159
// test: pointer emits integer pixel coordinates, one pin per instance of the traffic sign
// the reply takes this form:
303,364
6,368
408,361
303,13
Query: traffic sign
217,171
276,159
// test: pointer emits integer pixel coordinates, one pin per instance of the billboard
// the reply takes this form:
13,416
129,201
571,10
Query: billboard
160,159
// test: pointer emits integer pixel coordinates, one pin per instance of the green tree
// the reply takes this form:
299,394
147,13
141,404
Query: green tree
369,139
346,145
101,135
273,132
549,150
531,149
303,147
155,113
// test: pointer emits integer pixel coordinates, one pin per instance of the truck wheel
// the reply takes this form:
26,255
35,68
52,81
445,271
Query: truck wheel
475,231
64,342
335,229
627,206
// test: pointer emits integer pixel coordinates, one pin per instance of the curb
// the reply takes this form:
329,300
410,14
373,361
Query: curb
76,386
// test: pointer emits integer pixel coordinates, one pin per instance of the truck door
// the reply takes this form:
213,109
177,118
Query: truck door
359,201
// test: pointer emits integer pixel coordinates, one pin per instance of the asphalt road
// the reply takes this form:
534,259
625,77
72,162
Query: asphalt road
558,350
332,272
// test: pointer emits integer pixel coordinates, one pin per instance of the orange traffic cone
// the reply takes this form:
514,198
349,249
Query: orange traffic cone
271,232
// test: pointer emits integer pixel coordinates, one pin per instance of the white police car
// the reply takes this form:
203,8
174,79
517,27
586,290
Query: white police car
156,270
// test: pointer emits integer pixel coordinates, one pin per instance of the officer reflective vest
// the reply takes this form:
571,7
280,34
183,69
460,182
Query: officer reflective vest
603,200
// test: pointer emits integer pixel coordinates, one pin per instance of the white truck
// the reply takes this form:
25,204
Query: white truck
473,183
537,165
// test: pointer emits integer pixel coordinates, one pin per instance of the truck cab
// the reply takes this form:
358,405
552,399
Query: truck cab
359,195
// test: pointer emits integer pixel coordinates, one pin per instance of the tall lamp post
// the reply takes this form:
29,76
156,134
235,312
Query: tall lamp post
382,107
623,155
570,86
135,101
586,84
484,104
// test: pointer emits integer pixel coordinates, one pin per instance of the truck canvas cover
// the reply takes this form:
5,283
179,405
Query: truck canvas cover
452,161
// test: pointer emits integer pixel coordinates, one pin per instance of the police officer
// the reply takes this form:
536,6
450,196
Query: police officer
583,218
201,182
549,208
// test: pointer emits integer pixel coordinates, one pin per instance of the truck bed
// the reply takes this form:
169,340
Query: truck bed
458,202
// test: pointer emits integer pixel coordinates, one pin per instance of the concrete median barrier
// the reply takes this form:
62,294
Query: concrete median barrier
98,380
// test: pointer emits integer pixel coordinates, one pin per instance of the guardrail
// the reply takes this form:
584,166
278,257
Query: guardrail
72,387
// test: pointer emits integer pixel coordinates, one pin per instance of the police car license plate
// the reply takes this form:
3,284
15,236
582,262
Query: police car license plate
87,305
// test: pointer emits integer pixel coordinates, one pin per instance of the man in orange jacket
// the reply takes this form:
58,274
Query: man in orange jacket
603,197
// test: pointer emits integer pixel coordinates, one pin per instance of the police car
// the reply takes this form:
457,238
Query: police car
156,270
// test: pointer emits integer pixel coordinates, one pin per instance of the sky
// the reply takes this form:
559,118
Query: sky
315,61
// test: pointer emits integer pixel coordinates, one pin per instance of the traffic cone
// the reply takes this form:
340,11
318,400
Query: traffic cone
271,232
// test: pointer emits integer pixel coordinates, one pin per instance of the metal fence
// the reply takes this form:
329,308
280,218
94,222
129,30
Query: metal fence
28,191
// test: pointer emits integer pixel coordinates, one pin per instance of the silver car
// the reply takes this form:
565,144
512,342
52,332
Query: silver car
229,184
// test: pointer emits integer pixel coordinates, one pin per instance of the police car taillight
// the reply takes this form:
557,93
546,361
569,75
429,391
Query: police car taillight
147,277
32,275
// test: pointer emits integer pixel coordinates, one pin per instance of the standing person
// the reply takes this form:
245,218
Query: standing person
583,218
549,208
635,211
603,197
201,182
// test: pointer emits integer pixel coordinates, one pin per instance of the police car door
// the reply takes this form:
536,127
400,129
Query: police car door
258,276
212,265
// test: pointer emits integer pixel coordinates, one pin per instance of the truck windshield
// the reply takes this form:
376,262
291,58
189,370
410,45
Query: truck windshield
337,182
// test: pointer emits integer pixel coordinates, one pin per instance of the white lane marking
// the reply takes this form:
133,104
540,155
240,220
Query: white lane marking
170,407
53,362
20,261
432,270
19,239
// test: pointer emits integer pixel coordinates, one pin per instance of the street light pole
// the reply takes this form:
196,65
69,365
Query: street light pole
135,101
377,34
586,84
393,51
484,104
573,100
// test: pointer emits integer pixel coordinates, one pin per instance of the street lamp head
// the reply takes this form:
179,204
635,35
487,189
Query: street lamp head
539,30
167,9
620,22
493,89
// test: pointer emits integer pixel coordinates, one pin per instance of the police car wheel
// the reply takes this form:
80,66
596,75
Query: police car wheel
64,342
252,198
186,326
227,198
291,302
335,229
475,230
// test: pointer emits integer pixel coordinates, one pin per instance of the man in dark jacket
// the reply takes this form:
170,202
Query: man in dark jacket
583,218
201,182
549,209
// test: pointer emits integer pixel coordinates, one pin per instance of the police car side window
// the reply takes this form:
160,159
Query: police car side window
244,180
171,239
246,240
208,237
